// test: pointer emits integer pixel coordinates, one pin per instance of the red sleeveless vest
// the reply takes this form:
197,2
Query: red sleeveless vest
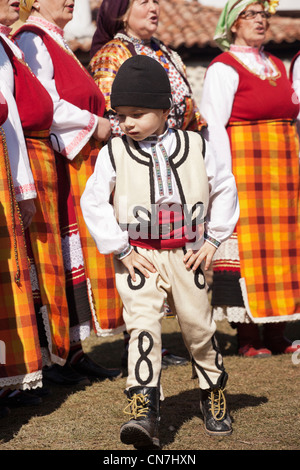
258,99
34,103
73,83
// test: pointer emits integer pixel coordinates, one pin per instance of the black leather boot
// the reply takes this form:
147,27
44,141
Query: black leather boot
215,414
141,430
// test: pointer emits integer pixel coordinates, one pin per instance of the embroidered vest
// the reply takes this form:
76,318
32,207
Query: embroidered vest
134,195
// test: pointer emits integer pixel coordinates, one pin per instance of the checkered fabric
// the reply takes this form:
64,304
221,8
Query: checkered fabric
18,330
45,240
265,158
105,301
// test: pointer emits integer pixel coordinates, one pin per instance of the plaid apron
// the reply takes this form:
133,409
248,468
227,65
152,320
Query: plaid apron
46,246
22,362
265,159
105,302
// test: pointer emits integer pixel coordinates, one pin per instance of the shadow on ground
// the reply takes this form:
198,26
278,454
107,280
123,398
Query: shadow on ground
178,409
20,416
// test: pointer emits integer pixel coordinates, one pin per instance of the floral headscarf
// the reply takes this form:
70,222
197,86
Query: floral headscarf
230,13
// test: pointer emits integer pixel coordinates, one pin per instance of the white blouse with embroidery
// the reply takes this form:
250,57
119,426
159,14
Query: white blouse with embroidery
72,126
15,141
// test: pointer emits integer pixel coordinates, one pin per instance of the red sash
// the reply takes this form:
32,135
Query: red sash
171,232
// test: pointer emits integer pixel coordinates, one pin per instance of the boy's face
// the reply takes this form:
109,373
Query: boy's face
140,123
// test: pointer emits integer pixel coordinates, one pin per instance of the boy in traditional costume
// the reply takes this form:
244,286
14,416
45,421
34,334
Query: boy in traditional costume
145,202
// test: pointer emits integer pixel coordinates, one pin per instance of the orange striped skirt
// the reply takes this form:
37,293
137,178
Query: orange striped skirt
44,233
105,301
265,159
21,362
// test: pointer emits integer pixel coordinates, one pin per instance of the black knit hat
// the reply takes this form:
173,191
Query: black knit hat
142,82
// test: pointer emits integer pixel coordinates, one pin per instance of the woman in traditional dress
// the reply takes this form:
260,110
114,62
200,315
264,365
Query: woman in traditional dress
248,104
20,354
76,132
125,28
35,110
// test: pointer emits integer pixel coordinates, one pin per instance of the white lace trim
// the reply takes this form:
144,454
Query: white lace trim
34,278
99,331
80,332
228,250
46,361
23,382
52,358
72,252
277,319
232,314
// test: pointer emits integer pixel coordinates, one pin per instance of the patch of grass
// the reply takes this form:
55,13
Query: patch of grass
262,395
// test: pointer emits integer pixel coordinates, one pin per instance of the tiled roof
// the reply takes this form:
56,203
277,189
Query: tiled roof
187,23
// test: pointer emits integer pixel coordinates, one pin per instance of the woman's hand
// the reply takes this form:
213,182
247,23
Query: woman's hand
103,130
193,259
27,209
135,260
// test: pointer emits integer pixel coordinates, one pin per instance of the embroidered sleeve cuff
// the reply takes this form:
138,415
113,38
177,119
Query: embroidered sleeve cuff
124,253
212,240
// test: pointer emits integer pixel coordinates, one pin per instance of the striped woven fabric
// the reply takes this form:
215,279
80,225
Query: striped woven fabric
105,64
105,301
18,329
76,283
46,246
266,168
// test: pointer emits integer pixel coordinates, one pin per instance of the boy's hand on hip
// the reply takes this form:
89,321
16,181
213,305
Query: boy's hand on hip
193,259
135,260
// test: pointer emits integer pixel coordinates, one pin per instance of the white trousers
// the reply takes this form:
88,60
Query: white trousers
186,293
